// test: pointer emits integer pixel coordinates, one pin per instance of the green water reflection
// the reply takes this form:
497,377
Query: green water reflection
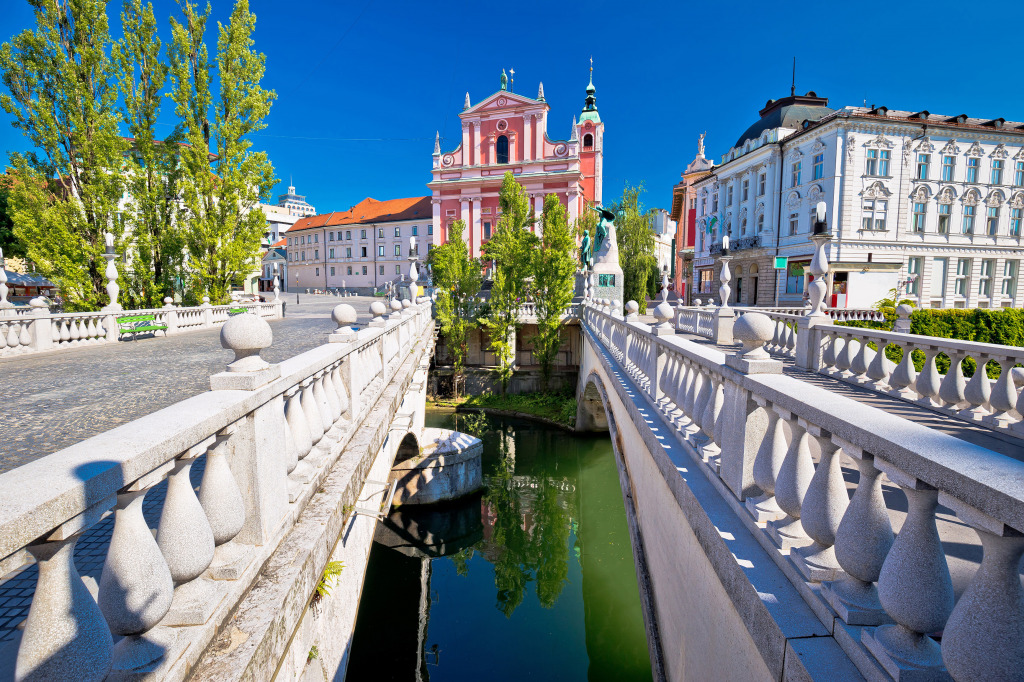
533,579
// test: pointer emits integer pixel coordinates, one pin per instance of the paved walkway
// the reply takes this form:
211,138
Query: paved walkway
55,399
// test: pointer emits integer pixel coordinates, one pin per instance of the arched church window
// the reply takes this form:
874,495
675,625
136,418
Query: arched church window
588,141
502,149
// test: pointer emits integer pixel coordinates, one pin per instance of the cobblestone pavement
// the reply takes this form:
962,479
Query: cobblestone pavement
53,400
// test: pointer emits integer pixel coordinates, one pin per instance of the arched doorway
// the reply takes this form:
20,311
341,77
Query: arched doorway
753,284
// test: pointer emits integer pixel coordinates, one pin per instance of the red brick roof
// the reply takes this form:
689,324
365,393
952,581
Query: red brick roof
281,242
370,211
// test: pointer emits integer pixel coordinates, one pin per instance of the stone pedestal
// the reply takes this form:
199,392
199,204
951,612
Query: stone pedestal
606,272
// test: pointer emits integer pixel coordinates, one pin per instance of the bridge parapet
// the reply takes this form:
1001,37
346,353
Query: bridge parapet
268,436
772,447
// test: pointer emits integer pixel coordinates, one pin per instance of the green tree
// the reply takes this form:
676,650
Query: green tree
222,180
9,243
156,250
457,279
634,229
62,94
511,249
554,279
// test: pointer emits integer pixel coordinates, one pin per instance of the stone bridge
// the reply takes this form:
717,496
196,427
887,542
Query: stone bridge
762,506
190,543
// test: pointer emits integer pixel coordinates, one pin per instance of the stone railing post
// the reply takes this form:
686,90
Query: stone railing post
171,316
724,315
810,343
42,334
207,312
744,421
260,458
663,313
903,312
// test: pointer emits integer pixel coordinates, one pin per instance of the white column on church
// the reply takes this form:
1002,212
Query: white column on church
513,144
538,142
435,205
527,137
478,143
491,155
477,228
466,151
574,206
465,217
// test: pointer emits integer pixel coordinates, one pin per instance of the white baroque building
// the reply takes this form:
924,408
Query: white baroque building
930,204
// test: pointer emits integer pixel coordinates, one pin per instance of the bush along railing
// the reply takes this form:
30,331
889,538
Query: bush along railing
776,445
39,330
265,436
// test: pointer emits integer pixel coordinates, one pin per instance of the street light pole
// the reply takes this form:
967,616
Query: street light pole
296,287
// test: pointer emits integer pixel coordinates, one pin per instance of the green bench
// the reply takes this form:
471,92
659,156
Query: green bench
236,311
136,324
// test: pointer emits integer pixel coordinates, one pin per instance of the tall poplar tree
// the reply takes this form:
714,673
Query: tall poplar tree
634,230
156,248
554,279
457,279
511,249
62,94
222,180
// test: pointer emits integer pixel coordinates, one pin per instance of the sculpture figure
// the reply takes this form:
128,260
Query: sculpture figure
585,250
602,227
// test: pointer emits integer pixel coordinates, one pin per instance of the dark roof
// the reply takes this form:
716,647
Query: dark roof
20,280
788,112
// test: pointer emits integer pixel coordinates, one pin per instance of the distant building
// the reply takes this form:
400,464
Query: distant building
664,238
684,213
276,255
295,204
931,205
508,131
360,249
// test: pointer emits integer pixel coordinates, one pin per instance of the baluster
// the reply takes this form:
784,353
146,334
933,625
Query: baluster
13,337
323,404
54,333
830,352
791,340
929,381
1003,398
794,477
221,499
880,367
91,331
700,391
777,337
984,636
951,391
76,332
682,393
822,510
3,338
65,331
914,586
65,636
186,541
978,392
136,588
25,338
845,359
312,411
336,391
865,356
904,378
862,542
716,399
768,462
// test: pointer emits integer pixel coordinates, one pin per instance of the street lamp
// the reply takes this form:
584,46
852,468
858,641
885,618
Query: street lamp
296,287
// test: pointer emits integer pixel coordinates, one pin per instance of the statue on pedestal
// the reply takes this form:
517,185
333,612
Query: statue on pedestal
585,250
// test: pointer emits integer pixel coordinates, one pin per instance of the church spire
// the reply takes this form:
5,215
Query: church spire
590,104
466,105
540,92
437,142
573,137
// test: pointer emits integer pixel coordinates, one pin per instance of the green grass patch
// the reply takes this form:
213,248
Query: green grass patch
558,407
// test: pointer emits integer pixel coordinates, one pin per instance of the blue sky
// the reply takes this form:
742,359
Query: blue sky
363,85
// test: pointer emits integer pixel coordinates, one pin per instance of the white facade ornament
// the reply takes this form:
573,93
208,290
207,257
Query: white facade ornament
975,149
880,141
971,198
876,190
793,201
925,146
815,193
947,195
850,148
906,151
920,194
1017,200
818,146
999,152
994,198
950,148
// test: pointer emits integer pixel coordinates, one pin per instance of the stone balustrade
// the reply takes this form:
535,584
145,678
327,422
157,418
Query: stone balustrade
35,329
702,321
265,437
774,446
991,396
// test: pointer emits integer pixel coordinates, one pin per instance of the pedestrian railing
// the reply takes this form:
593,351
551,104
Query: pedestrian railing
266,435
979,382
36,329
776,445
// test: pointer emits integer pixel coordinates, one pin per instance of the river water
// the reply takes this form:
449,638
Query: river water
531,579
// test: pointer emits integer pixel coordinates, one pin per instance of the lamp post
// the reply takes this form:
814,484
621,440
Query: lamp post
725,290
818,288
4,303
111,274
296,287
277,284
414,275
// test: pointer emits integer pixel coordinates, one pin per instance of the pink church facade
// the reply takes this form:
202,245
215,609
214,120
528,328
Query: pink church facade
507,131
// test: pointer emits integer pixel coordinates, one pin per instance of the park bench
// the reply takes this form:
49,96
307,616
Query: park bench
236,311
136,324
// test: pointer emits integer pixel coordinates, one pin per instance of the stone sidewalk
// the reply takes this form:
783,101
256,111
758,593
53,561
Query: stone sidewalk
55,399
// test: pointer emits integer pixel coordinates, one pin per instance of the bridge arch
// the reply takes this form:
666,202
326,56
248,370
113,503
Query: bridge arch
408,447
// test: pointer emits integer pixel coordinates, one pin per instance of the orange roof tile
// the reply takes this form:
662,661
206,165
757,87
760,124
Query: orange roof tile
281,242
370,211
